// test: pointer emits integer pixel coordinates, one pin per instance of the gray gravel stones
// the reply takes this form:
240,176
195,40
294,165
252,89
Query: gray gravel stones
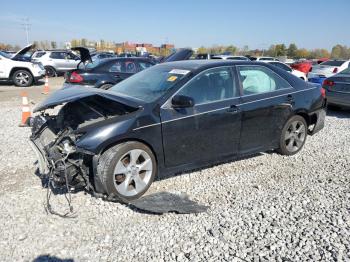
265,208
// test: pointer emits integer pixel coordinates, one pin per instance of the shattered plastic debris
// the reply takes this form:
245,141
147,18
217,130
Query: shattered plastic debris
164,202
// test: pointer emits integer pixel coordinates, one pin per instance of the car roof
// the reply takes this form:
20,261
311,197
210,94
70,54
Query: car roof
201,64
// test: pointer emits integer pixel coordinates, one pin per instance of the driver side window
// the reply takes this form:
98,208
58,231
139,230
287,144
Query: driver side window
209,86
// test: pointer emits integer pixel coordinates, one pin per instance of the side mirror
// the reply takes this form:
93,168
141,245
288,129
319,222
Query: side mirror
180,101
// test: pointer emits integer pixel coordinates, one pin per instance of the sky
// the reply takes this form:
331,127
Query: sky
256,23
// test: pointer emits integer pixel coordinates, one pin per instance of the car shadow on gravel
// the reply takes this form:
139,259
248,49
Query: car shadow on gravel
48,258
338,112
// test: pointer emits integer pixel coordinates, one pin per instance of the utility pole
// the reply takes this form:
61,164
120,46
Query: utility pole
26,27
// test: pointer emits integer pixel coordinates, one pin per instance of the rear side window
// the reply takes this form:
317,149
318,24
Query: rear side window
333,63
260,79
123,67
282,66
58,55
267,59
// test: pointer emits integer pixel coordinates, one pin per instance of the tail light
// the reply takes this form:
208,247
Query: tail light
75,78
328,83
335,70
323,92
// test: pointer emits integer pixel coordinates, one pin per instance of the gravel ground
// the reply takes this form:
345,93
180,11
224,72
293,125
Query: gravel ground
264,208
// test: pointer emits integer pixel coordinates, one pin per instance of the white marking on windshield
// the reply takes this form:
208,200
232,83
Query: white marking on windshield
179,72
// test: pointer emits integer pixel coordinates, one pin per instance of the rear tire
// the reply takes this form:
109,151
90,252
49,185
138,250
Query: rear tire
22,78
50,71
293,136
127,170
106,86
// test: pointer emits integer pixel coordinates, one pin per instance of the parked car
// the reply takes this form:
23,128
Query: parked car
106,73
101,55
319,73
302,66
21,72
56,61
173,117
231,57
328,68
204,56
288,69
263,58
337,88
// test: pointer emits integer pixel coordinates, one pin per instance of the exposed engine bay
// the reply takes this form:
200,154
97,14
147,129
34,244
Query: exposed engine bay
54,138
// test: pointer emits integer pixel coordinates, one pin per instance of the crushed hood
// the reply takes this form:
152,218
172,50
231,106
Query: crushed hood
22,52
71,94
84,54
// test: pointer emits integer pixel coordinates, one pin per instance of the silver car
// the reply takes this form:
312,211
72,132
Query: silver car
56,61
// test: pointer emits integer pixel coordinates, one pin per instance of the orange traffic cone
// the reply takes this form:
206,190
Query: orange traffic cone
25,110
46,86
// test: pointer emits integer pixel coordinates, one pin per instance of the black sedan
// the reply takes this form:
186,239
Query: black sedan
170,118
338,89
107,72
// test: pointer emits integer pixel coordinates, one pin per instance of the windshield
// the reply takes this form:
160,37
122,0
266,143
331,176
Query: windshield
5,54
150,84
333,63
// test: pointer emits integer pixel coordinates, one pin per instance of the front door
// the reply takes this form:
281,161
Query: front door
208,130
267,103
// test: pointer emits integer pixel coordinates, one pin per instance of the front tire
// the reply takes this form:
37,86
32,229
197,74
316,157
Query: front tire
22,78
127,170
293,136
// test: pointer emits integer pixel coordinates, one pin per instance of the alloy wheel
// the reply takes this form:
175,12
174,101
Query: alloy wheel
133,172
295,136
22,78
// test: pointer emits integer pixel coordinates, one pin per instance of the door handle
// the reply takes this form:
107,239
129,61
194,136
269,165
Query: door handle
290,98
233,109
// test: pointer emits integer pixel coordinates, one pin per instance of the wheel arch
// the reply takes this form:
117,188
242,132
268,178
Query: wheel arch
130,140
14,69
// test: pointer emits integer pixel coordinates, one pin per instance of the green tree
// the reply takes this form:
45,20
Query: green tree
292,50
231,48
280,50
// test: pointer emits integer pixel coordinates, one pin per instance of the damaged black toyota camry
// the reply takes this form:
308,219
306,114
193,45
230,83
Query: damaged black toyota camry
169,118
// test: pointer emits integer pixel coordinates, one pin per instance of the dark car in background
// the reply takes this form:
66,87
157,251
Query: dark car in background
337,89
173,117
108,72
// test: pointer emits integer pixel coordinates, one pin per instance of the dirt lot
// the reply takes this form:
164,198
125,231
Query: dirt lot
264,208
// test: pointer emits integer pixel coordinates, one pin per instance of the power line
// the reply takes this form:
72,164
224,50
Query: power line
26,26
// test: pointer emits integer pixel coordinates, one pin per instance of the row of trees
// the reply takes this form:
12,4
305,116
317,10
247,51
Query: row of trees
292,51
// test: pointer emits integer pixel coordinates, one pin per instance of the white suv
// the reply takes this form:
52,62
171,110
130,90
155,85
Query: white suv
22,72
56,61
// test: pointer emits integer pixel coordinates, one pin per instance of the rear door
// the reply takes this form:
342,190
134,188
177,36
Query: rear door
59,60
267,103
208,130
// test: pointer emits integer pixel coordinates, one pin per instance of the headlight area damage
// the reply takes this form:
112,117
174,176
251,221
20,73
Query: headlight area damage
55,137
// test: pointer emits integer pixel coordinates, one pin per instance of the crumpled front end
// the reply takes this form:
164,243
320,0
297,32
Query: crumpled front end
57,154
55,137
